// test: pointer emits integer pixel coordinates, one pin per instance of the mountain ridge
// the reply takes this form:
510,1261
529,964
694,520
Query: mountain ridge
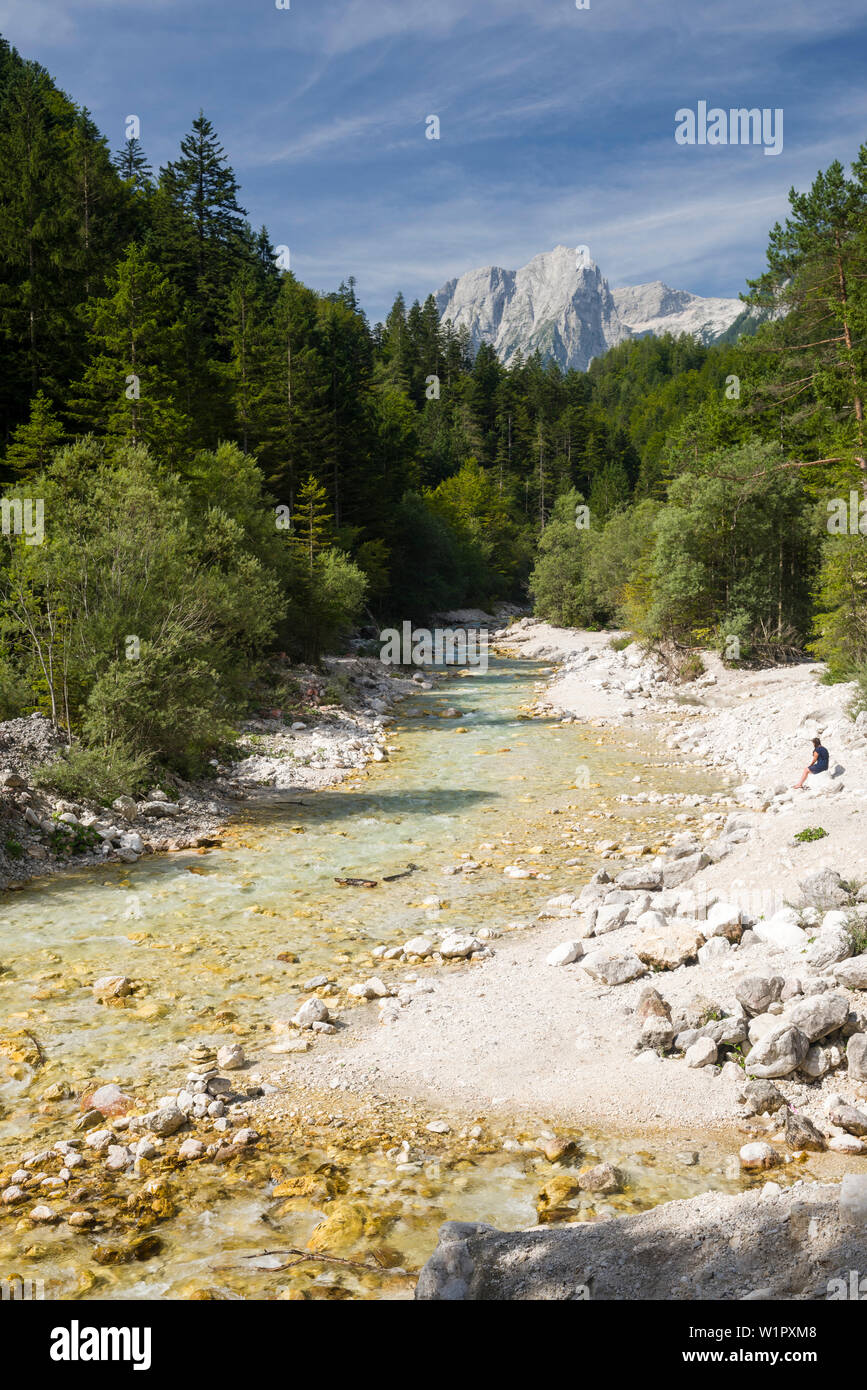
561,304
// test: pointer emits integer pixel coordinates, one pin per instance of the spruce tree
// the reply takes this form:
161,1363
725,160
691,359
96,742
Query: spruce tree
132,165
33,444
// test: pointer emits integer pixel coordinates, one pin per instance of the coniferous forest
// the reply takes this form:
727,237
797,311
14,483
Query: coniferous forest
233,466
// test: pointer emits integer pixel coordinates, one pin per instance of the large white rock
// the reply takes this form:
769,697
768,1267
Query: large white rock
610,918
782,930
566,953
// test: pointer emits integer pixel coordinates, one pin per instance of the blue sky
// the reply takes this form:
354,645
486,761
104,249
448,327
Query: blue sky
557,124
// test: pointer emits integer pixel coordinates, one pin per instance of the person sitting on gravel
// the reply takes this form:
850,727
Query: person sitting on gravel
819,763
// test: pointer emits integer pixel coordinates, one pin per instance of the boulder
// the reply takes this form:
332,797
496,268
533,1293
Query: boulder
757,1156
761,1096
609,917
677,943
781,930
829,948
703,1053
818,1015
847,1117
714,949
651,921
611,967
856,1056
723,919
678,871
311,1011
852,973
565,954
755,993
646,879
778,1053
823,888
801,1133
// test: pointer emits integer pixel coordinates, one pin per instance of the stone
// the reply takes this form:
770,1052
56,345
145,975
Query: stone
231,1057
845,1144
246,1137
829,948
714,949
703,1053
126,807
758,1156
651,1004
613,968
119,1157
665,950
455,947
852,973
782,930
856,1056
816,1064
565,954
609,918
420,946
819,1015
109,1100
602,1177
823,888
652,921
723,919
99,1139
847,1117
778,1053
167,1120
646,879
657,1033
726,1032
853,1199
44,1215
801,1133
111,987
677,871
159,808
755,992
311,1011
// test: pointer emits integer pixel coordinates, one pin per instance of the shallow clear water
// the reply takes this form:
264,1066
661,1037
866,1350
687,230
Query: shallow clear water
199,934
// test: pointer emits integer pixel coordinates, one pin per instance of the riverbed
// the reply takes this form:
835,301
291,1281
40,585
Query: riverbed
221,943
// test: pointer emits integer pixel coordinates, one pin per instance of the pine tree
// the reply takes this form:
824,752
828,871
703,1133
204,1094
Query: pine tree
132,165
133,387
245,336
202,184
811,362
311,520
33,444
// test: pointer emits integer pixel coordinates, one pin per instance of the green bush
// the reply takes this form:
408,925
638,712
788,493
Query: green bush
96,774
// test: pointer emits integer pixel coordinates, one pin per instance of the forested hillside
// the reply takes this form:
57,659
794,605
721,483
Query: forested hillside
233,465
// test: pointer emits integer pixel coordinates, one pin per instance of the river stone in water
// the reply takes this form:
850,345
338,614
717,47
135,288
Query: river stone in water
778,1053
801,1133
